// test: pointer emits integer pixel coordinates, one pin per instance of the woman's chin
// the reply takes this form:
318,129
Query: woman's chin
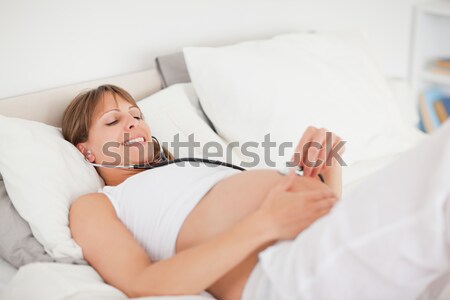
137,155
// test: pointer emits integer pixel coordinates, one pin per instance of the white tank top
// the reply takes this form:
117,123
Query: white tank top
154,204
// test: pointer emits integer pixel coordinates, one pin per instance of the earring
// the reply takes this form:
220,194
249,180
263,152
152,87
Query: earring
88,153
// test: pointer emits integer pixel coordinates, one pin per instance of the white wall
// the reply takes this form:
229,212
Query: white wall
48,43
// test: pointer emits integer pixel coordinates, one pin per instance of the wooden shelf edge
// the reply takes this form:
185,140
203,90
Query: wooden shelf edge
434,77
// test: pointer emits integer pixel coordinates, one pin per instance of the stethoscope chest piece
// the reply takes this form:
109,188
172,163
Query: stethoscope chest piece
285,171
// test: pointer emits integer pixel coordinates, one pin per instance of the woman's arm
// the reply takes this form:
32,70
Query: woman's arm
111,249
193,270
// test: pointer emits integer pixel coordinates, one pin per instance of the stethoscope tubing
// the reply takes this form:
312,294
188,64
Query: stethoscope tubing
298,171
166,162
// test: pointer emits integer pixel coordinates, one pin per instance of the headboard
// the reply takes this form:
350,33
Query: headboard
48,106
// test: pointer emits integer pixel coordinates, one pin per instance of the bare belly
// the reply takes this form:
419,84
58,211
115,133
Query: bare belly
229,201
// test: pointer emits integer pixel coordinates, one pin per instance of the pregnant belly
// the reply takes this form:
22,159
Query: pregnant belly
229,201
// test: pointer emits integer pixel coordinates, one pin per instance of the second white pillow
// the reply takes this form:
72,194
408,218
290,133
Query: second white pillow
171,116
282,85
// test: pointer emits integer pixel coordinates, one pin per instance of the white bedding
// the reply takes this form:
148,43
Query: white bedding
384,240
56,281
63,281
7,272
352,175
53,281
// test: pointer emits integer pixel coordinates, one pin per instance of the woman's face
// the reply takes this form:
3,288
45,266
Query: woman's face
118,135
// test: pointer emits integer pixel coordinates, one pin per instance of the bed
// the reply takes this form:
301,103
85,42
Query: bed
50,280
74,281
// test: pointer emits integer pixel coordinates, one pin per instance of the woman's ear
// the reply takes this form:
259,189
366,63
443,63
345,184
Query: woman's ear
81,148
88,155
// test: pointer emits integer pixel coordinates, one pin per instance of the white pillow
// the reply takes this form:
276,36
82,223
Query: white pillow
43,173
284,84
170,112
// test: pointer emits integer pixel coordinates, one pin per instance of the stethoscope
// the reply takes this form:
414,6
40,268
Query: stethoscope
164,161
169,162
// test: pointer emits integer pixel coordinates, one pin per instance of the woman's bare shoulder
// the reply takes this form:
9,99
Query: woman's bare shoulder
90,196
90,211
91,202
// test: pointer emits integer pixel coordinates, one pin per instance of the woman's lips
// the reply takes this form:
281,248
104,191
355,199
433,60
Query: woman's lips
134,141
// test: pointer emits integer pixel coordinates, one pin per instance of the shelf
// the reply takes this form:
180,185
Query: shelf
430,43
436,78
440,8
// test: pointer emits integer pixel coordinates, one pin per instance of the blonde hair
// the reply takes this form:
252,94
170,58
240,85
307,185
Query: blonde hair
77,117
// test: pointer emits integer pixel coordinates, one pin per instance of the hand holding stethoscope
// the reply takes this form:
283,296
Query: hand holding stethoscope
314,149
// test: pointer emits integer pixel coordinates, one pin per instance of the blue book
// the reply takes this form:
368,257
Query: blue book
446,102
442,108
430,118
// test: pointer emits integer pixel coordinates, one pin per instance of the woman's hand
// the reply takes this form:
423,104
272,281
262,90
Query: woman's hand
314,149
291,212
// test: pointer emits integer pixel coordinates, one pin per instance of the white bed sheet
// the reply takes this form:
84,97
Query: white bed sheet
352,175
355,174
56,281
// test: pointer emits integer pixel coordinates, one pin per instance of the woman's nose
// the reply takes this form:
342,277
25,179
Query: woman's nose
132,122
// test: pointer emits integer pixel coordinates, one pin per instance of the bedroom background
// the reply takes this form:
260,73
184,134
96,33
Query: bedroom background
47,44
50,43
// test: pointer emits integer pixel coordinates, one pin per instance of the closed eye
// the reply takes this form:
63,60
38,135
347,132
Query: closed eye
112,123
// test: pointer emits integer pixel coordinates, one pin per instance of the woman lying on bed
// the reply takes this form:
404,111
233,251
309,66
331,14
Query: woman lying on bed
182,230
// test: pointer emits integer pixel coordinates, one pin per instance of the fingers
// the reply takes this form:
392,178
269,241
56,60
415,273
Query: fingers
311,147
316,150
285,183
320,165
314,195
311,151
301,145
290,179
315,209
330,162
322,212
320,208
324,204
